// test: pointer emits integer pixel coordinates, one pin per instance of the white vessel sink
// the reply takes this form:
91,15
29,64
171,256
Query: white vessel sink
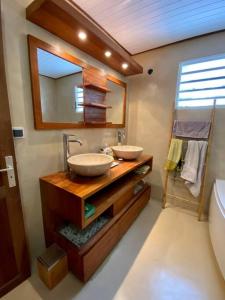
127,152
90,164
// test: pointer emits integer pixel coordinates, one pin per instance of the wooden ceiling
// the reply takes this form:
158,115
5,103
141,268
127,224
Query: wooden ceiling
140,25
64,19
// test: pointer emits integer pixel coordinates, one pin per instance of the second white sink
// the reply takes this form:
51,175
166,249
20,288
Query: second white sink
90,164
127,152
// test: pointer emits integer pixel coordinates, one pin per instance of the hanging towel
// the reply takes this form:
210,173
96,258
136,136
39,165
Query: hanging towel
174,154
196,187
191,129
190,168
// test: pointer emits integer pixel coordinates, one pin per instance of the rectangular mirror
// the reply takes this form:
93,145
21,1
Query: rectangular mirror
60,89
61,97
117,100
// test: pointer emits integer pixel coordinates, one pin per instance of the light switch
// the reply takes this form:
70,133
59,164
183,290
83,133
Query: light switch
18,132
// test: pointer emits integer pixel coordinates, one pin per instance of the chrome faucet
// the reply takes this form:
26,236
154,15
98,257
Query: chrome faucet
120,136
67,139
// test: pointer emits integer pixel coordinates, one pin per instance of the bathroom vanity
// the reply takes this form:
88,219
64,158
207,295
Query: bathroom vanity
118,198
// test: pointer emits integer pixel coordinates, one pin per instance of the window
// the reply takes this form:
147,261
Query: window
200,82
79,99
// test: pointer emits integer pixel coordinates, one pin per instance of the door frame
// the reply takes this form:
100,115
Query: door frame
12,195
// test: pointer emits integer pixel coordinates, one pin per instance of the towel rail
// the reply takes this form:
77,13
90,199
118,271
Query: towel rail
200,202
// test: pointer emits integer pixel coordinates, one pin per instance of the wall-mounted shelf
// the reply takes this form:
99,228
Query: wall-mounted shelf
95,123
65,19
95,87
97,105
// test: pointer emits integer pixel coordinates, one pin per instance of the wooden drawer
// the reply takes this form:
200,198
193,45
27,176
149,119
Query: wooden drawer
129,217
92,259
98,253
124,199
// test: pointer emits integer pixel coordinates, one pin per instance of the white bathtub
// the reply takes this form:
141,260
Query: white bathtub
217,223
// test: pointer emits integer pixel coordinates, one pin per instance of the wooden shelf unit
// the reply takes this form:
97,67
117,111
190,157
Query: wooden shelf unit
63,200
105,198
97,105
96,87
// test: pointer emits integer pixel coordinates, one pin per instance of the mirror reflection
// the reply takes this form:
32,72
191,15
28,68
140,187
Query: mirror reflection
115,99
60,89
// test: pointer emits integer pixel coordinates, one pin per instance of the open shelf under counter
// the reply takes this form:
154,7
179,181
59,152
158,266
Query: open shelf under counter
83,261
118,192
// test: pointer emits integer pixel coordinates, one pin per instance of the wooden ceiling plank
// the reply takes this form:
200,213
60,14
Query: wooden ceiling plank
179,22
177,14
138,7
137,23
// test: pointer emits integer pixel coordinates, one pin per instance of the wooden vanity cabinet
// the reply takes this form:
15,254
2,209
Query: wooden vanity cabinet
113,194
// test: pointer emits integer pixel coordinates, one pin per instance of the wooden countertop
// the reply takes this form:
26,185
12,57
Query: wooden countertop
84,187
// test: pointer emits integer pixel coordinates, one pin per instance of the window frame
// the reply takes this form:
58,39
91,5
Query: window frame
78,109
189,62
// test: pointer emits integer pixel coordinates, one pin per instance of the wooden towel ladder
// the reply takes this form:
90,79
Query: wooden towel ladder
201,197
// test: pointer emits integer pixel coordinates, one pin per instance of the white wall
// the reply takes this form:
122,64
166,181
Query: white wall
65,91
48,98
40,153
151,102
115,99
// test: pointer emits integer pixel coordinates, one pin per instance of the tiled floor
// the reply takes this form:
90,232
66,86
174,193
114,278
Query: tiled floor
165,255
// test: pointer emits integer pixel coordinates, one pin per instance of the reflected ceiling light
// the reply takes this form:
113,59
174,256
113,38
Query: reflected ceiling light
108,53
82,35
124,66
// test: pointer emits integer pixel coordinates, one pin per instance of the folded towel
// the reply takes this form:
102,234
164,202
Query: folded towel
190,168
174,154
196,187
191,129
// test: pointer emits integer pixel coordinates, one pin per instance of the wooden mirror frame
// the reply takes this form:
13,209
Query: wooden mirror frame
33,45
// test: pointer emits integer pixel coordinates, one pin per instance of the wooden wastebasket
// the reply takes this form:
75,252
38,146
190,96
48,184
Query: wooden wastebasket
52,265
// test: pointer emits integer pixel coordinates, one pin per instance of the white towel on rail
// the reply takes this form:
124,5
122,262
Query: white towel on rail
190,168
196,187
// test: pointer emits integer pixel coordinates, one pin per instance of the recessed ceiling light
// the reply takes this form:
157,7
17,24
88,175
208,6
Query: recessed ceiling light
108,53
124,66
82,35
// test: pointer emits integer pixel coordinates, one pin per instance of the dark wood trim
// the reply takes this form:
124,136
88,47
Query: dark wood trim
116,80
64,19
33,44
37,43
180,41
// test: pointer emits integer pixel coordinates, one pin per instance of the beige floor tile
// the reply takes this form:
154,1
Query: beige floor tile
164,255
